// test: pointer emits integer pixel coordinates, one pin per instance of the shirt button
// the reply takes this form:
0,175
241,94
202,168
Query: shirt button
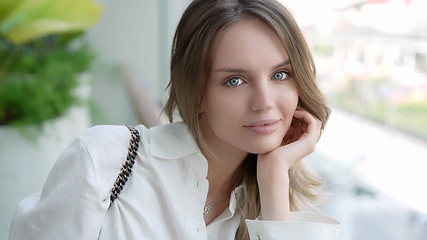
237,195
198,230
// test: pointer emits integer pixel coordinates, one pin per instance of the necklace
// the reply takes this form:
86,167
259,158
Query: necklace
208,208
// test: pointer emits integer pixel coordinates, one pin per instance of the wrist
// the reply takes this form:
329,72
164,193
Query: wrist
272,172
275,205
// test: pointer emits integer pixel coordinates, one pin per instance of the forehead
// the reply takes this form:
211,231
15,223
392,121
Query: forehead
248,42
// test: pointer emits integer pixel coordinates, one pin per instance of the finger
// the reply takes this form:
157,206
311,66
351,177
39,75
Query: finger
305,115
297,130
312,124
288,135
304,126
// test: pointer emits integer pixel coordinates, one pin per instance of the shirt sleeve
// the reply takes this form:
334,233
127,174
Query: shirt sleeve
71,205
304,226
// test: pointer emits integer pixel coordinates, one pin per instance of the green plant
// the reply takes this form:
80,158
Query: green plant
39,60
40,83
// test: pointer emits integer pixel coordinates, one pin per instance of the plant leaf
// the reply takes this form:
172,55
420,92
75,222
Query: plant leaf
37,18
6,7
16,12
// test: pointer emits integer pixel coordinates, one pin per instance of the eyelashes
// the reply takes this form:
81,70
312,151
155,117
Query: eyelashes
236,81
281,75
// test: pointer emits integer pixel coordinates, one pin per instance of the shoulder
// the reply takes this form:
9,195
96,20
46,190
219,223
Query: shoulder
103,134
171,141
107,146
106,138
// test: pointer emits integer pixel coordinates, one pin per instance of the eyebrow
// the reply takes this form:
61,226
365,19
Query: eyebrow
240,70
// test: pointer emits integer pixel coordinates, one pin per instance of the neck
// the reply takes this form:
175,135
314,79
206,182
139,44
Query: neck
224,172
224,161
223,177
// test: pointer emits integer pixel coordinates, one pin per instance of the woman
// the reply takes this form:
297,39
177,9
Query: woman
243,82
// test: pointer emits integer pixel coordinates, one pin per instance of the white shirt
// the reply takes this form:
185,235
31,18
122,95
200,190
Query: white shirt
163,198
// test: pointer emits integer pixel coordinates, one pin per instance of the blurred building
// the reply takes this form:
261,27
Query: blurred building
371,61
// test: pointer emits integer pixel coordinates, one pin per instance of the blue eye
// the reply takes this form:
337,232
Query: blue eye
234,82
282,75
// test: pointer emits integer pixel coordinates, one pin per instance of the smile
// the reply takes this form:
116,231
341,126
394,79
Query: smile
263,126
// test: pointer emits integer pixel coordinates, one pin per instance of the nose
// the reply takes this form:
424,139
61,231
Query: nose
262,97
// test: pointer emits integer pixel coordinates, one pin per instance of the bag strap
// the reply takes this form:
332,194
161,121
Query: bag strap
123,176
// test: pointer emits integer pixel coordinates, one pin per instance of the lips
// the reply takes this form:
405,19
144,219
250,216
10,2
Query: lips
264,126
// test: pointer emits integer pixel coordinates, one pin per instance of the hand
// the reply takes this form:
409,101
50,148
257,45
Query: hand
272,167
299,141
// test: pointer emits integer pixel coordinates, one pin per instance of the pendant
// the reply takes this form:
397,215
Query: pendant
207,209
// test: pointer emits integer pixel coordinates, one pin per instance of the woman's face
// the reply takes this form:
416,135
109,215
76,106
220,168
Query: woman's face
251,96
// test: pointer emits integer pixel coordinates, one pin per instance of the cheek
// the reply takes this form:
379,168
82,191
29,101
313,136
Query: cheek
288,100
294,100
221,107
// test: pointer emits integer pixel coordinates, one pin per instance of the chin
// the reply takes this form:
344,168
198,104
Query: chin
264,147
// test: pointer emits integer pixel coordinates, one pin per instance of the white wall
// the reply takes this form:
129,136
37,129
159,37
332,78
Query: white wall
138,34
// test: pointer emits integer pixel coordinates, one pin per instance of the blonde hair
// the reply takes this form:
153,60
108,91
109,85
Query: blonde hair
196,34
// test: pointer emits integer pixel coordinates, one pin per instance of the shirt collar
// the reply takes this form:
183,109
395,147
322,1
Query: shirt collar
237,197
172,141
